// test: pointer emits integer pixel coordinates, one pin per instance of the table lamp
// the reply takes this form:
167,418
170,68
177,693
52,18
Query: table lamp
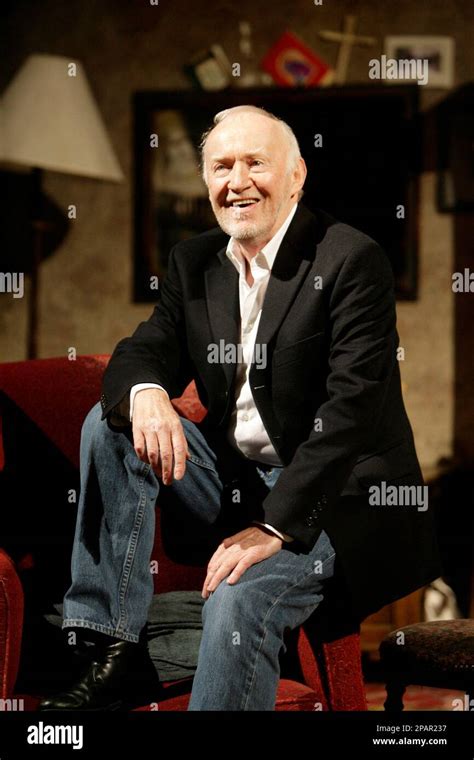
49,120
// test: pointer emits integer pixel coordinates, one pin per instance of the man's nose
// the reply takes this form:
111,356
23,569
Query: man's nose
239,177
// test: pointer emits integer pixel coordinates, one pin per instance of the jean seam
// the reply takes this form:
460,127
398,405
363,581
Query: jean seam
131,551
202,463
262,639
108,630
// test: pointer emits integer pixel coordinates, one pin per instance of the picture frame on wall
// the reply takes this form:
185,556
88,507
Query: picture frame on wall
455,151
437,51
358,146
210,69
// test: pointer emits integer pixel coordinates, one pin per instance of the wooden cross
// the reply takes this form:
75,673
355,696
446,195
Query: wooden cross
348,39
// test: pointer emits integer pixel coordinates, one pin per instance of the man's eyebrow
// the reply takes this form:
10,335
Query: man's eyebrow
250,154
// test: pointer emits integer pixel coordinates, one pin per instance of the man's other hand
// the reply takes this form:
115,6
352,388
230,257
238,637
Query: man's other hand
237,553
158,435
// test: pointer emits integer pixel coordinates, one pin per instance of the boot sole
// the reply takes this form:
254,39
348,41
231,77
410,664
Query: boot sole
114,706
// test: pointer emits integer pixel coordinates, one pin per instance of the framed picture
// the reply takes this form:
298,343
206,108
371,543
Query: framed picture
359,144
210,69
455,134
429,60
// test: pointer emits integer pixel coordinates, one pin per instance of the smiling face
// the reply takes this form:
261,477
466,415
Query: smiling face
251,187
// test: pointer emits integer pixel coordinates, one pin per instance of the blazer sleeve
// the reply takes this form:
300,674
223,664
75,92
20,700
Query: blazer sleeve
155,353
362,357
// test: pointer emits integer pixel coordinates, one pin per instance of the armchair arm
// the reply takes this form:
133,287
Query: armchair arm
343,666
11,624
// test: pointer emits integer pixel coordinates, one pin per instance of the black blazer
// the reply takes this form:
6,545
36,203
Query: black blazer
328,322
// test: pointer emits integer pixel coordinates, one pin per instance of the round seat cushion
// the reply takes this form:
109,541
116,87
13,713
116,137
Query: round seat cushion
438,650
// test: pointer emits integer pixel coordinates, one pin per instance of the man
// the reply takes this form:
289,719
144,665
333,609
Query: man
286,321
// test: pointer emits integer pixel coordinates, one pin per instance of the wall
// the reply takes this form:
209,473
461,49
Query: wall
127,46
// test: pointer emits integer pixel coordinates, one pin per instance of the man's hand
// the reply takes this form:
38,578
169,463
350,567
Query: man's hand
236,554
158,435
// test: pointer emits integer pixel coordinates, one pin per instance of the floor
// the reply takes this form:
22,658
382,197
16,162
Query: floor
416,698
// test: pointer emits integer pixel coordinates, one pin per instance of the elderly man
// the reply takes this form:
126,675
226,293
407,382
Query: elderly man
286,321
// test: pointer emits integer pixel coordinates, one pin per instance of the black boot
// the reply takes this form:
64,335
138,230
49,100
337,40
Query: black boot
119,675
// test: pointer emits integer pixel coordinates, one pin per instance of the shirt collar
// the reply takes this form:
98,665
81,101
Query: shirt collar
266,256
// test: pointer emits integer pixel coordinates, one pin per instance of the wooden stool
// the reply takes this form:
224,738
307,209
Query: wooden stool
438,654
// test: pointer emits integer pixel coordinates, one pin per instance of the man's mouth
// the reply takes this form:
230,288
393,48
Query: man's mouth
242,203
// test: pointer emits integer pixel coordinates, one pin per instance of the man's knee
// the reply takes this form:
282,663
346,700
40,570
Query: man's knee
228,607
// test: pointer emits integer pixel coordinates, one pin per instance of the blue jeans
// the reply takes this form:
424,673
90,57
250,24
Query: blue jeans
220,493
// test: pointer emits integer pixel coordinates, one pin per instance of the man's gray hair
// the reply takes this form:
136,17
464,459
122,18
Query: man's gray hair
294,152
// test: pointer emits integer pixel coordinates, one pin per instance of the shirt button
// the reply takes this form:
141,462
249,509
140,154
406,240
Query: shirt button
245,417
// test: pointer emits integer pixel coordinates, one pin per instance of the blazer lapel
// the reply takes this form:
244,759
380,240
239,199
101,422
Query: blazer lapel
222,295
293,260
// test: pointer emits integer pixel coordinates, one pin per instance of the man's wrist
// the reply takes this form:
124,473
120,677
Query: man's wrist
284,536
142,387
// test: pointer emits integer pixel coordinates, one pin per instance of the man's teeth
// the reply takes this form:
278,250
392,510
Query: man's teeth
247,202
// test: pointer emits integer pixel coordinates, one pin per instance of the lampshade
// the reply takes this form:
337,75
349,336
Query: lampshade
50,120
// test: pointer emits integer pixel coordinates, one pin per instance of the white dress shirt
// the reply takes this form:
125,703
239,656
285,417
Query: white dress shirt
246,431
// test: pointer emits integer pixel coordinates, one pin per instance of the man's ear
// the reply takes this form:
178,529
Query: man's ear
299,174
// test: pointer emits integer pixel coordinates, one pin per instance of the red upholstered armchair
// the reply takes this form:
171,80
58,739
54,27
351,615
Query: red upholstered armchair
42,406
